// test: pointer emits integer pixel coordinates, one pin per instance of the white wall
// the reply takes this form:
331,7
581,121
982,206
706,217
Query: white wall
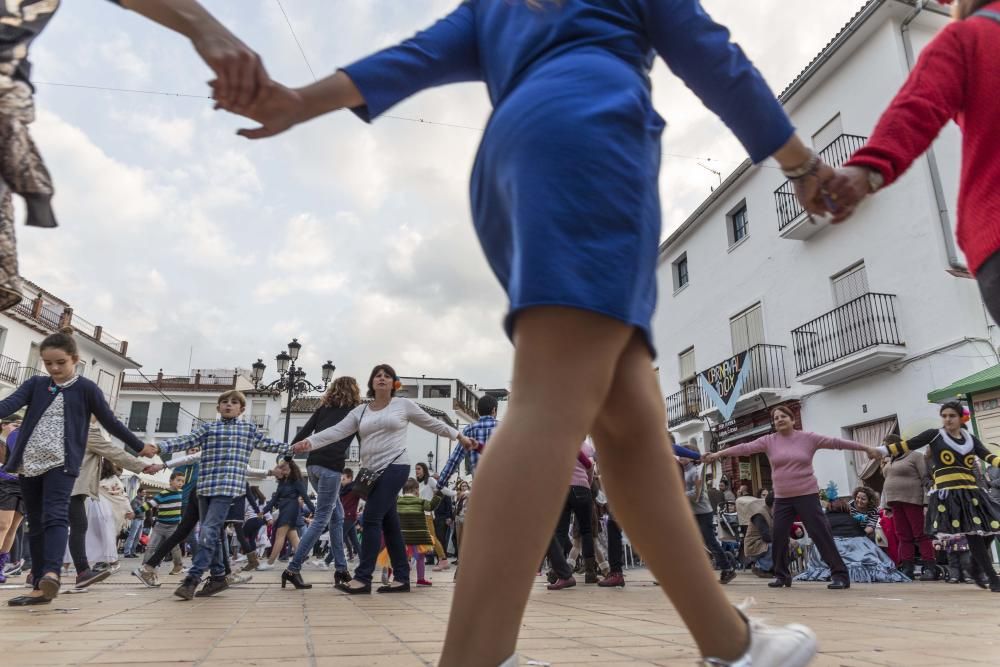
896,234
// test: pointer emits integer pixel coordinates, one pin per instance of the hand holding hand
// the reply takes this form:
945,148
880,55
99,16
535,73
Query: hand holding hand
846,188
149,451
302,446
711,457
468,443
153,468
240,74
873,453
275,107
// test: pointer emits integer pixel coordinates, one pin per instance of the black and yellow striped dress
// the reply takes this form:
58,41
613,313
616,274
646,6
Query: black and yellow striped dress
956,505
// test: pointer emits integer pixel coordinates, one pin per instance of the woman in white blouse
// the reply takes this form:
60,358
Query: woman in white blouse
382,425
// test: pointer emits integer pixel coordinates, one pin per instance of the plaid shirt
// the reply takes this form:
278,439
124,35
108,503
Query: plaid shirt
225,445
482,430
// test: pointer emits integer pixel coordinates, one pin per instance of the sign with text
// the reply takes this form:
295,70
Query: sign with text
724,382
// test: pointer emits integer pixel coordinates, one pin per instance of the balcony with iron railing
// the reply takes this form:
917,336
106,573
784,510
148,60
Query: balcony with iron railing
263,422
765,375
10,370
53,316
793,223
163,382
861,335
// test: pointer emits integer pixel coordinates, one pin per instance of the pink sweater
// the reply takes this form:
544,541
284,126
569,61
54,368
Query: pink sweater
791,459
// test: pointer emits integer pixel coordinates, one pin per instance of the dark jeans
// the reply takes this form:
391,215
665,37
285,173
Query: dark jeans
723,560
380,520
329,515
78,532
350,539
189,519
908,520
810,512
557,559
579,502
46,501
616,552
250,528
988,277
211,551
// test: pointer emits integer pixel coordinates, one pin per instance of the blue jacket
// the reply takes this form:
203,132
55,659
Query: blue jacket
82,399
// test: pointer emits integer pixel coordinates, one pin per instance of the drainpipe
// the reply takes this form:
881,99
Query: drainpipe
955,266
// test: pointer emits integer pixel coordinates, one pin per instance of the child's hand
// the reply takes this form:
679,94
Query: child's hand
276,108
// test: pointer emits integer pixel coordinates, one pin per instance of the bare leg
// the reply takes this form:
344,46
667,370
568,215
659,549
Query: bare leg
279,543
645,491
9,521
564,363
293,537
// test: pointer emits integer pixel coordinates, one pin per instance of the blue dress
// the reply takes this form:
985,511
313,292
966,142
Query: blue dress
565,184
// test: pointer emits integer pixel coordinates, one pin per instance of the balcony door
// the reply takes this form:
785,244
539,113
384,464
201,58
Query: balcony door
855,317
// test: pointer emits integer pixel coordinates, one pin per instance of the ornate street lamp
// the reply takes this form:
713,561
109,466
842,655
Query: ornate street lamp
291,379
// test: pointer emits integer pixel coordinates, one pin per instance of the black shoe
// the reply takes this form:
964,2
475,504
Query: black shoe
129,556
778,583
551,576
839,585
341,577
212,586
27,601
187,589
354,590
930,574
89,577
296,580
402,588
727,576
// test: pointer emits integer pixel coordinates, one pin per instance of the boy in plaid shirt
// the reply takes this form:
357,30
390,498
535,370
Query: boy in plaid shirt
226,445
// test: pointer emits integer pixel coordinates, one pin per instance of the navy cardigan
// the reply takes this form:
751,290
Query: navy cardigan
81,400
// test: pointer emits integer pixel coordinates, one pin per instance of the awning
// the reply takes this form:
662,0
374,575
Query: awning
984,380
757,430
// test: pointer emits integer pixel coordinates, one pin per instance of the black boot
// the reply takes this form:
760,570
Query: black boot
931,572
590,571
906,567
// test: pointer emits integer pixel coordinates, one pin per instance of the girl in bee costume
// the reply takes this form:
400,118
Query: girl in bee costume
956,505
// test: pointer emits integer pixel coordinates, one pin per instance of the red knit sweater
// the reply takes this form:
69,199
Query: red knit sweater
957,76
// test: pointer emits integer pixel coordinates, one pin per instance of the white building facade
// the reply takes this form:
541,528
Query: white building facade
850,326
103,357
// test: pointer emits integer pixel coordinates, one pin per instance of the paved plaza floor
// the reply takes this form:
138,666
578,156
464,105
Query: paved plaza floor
120,623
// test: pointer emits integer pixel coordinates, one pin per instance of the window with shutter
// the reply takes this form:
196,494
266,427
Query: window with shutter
747,329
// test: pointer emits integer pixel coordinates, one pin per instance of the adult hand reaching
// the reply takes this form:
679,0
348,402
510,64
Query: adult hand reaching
153,468
276,108
468,443
149,451
812,192
302,446
239,71
711,457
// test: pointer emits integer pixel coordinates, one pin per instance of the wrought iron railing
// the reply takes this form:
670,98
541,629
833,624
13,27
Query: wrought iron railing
9,369
865,322
684,406
836,154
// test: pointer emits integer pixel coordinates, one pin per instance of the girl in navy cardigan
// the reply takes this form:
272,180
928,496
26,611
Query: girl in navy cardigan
52,441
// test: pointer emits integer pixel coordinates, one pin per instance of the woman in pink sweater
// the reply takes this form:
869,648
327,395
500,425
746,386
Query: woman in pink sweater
796,490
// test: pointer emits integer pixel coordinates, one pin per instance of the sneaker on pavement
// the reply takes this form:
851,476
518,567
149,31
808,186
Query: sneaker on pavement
560,584
235,578
424,582
187,589
264,566
442,566
789,646
212,586
726,576
14,568
177,569
147,577
613,580
89,577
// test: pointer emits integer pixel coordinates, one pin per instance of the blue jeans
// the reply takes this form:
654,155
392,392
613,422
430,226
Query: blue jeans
350,536
46,501
133,535
766,561
380,518
213,511
327,485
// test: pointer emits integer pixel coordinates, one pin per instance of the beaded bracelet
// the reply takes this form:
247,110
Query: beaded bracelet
807,169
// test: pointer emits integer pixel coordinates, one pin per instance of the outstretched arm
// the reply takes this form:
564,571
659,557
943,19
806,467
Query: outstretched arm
444,53
239,71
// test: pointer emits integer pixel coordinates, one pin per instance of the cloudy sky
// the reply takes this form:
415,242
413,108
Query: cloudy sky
190,242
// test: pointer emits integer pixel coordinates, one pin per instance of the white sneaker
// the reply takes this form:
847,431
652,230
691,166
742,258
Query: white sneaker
789,646
235,578
264,565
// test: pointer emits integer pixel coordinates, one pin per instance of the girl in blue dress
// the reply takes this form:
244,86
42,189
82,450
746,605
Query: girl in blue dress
566,207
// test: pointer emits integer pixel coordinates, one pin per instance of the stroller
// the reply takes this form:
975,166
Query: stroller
729,530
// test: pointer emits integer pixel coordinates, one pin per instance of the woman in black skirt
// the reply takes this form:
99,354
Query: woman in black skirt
957,505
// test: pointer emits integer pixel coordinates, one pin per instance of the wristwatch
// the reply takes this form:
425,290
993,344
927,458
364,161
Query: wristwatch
875,180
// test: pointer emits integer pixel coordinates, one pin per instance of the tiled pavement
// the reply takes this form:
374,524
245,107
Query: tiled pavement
121,623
